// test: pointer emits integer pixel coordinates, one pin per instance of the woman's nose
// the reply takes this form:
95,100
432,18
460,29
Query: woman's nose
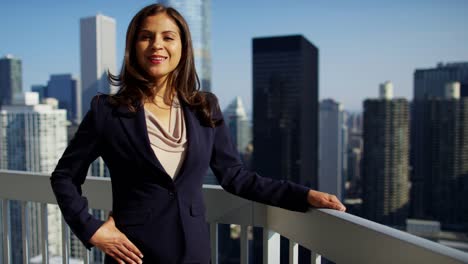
157,44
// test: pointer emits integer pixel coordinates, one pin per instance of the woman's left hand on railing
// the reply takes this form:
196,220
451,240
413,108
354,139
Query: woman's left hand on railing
324,200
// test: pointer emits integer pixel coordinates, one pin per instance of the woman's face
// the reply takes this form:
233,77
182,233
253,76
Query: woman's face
158,46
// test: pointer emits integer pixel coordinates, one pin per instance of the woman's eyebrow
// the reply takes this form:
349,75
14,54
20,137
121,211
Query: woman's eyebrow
152,32
145,31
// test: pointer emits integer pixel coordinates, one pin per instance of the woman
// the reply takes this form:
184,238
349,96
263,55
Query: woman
158,135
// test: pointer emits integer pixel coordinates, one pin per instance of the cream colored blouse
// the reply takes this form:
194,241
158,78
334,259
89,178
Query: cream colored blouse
168,145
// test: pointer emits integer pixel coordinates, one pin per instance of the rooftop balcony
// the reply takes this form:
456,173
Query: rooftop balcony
340,237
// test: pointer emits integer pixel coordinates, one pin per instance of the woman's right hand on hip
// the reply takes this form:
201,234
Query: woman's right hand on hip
114,243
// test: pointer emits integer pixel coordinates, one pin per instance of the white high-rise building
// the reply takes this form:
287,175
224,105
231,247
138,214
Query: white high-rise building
197,13
239,126
33,136
98,55
331,149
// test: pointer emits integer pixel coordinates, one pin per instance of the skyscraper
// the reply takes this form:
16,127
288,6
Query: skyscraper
32,138
197,13
446,183
40,89
98,55
331,147
65,88
10,79
386,158
285,98
354,150
239,126
285,94
428,84
354,173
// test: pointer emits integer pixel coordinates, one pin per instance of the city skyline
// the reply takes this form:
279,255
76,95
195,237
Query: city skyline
361,44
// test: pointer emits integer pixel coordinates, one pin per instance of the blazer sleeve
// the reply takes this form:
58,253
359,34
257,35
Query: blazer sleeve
234,178
70,174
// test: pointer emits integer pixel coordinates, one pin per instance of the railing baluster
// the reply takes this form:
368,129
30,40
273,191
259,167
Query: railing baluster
86,256
44,234
244,245
271,247
315,258
65,240
214,242
25,230
293,252
6,232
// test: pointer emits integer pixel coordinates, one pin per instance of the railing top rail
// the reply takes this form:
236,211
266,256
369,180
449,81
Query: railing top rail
341,237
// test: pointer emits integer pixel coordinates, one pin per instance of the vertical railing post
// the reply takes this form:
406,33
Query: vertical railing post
44,234
25,230
6,232
315,258
214,242
244,245
86,256
293,252
271,247
65,240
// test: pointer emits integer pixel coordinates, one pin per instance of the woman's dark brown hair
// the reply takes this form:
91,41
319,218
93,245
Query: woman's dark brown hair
136,85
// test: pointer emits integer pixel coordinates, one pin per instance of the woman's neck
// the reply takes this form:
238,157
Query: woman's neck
162,91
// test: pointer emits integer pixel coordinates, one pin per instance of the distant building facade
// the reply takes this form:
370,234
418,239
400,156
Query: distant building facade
446,183
332,147
65,88
429,85
32,138
40,89
386,158
11,80
285,95
239,126
97,57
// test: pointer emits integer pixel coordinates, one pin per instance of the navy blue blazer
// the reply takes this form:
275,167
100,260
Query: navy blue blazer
164,218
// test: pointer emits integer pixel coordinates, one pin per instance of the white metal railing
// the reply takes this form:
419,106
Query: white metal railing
338,236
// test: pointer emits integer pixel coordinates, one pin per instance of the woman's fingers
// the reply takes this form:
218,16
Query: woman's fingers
114,243
129,254
334,205
123,249
338,205
324,200
131,247
120,257
126,255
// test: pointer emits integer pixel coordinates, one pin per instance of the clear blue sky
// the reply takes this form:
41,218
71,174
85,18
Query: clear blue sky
361,43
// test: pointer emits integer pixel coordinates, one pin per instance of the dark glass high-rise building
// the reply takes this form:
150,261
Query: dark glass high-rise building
285,110
385,164
64,88
428,84
40,89
285,113
446,181
10,79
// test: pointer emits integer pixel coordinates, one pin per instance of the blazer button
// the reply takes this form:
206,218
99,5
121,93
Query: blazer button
171,194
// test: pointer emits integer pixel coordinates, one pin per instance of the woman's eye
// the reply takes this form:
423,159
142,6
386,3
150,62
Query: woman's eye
168,38
145,37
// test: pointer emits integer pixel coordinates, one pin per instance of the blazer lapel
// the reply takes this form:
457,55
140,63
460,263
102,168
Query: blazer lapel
135,125
192,140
